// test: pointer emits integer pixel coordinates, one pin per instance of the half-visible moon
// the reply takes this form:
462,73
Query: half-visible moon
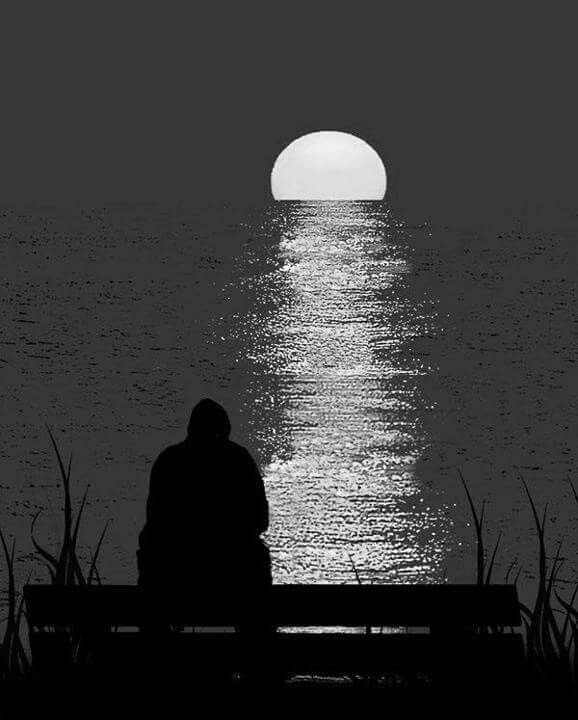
328,165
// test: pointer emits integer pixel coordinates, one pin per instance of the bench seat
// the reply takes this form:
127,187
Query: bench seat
443,625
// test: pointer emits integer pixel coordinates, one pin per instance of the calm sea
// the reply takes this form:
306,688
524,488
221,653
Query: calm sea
365,360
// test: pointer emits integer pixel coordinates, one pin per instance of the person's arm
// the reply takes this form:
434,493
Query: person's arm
257,500
147,535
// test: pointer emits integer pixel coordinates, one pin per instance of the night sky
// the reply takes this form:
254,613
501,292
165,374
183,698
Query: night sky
472,106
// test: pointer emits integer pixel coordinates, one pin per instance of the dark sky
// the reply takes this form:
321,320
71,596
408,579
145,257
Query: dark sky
472,106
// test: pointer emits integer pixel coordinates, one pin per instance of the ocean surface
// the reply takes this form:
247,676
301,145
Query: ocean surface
366,360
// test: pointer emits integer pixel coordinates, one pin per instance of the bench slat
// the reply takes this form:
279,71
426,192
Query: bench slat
294,652
287,605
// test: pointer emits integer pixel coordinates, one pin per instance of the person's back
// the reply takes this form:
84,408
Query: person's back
205,512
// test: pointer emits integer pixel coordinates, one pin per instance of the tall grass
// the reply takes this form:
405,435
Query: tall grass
551,629
64,568
13,659
484,568
551,624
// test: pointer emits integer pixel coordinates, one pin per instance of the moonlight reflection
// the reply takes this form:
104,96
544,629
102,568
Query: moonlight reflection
346,490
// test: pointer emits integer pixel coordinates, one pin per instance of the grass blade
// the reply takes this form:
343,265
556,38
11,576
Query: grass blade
62,574
491,566
574,491
92,569
354,569
478,527
50,559
511,566
569,607
9,557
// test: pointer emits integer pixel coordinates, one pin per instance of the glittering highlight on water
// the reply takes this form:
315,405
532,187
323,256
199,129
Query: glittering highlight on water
345,494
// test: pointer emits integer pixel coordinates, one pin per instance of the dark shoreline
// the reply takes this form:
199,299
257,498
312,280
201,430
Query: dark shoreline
203,697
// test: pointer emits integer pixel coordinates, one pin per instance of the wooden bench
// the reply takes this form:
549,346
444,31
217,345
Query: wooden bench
446,626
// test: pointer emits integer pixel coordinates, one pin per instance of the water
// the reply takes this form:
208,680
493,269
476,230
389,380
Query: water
364,360
344,487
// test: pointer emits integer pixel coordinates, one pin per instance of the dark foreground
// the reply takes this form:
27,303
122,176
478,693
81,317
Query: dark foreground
212,697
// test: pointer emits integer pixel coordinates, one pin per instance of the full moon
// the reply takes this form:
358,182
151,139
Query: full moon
328,165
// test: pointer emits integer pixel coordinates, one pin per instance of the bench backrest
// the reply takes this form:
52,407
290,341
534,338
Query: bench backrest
286,605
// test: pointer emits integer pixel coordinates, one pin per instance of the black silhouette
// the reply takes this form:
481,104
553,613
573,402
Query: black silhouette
463,661
205,512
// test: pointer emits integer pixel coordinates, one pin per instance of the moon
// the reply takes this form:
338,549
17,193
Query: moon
328,165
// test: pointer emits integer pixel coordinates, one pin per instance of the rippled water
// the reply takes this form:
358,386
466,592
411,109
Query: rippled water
364,360
344,490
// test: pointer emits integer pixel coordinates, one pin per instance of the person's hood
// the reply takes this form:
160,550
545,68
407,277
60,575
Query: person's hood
209,421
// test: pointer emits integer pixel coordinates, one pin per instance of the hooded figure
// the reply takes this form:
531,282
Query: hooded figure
205,511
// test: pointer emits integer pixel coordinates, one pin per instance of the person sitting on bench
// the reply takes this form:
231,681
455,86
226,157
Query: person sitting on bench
205,513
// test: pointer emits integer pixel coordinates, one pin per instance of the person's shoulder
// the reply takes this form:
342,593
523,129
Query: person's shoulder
233,447
170,453
240,454
237,450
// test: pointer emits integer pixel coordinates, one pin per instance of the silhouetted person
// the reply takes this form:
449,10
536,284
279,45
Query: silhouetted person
205,512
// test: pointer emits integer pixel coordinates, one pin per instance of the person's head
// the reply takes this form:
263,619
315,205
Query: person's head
209,422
